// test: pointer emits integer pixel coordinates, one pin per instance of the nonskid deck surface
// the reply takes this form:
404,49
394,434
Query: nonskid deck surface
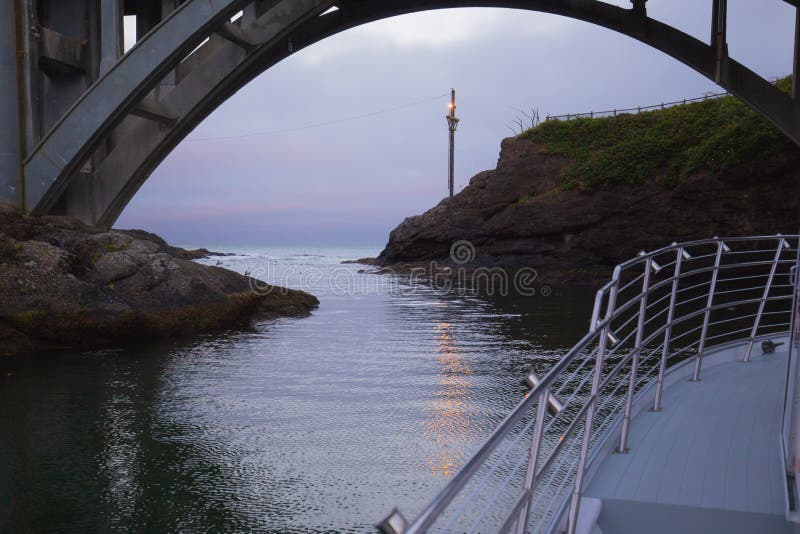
708,462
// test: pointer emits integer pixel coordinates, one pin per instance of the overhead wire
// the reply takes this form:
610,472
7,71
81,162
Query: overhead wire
320,124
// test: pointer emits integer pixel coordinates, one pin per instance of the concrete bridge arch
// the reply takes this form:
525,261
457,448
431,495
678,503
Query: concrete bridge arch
89,158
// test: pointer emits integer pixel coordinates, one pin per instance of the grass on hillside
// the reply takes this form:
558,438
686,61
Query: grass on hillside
667,145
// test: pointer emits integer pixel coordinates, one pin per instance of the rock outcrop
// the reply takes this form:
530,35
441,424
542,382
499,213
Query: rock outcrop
67,285
520,215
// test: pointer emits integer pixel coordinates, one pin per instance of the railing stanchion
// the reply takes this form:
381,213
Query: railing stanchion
533,460
707,315
563,486
575,503
763,302
668,330
637,351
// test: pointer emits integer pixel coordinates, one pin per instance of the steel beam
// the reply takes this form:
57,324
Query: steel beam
260,39
224,69
59,53
796,62
111,42
719,36
10,142
69,142
237,36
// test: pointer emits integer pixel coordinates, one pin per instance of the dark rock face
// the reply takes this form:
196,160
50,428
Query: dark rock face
63,284
518,216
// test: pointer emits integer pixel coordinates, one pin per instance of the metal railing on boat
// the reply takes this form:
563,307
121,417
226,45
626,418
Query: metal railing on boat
658,309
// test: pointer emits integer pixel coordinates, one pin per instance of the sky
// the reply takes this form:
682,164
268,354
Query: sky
353,181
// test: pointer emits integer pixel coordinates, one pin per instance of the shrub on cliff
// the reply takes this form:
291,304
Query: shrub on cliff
668,145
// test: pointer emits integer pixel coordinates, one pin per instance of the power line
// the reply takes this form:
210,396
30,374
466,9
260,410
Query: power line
320,124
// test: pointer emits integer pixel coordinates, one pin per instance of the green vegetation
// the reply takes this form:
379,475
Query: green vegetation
665,145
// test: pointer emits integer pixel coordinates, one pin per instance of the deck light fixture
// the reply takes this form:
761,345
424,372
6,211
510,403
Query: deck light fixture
769,346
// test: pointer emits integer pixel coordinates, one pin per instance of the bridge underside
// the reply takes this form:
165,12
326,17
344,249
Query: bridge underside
82,127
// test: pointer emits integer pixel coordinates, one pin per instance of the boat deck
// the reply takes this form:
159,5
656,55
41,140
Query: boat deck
709,461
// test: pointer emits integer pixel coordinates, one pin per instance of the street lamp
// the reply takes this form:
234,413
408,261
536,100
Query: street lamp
452,124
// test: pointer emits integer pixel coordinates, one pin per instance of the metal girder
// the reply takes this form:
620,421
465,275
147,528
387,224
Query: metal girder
237,36
157,111
61,53
796,58
69,142
199,91
10,132
222,66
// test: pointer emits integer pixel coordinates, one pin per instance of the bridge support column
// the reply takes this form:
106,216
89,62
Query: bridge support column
796,69
719,36
640,7
10,141
111,44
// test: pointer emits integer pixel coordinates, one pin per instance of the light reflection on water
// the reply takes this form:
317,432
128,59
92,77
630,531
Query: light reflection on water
294,425
450,421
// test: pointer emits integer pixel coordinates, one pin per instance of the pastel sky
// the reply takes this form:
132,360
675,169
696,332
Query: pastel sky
351,182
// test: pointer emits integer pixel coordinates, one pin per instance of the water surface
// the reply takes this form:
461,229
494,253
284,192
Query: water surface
294,425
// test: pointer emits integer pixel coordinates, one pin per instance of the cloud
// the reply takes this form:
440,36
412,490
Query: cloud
440,29
354,181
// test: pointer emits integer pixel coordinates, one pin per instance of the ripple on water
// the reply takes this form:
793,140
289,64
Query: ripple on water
317,424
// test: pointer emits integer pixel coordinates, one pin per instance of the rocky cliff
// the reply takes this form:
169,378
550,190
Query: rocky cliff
66,285
573,199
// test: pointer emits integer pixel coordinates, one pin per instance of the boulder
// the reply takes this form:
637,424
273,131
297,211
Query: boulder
520,215
67,285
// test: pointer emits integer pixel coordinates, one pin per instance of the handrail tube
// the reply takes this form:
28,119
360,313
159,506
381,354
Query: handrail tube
432,511
632,282
440,502
763,302
715,269
533,458
607,380
598,332
633,261
587,433
732,332
696,286
598,300
653,303
668,332
548,463
704,331
689,244
513,516
583,409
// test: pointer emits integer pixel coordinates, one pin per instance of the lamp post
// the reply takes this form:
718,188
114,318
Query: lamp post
452,123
